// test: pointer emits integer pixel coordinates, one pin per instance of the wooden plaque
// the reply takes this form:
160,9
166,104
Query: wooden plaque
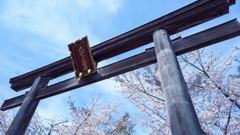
82,58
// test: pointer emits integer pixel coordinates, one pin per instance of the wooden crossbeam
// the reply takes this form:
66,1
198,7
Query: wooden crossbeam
221,32
191,15
232,2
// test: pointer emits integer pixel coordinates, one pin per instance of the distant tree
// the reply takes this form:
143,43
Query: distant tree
214,92
123,127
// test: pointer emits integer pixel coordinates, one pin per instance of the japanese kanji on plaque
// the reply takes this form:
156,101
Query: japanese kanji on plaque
82,58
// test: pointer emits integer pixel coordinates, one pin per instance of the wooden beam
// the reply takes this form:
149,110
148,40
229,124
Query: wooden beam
199,40
191,15
232,2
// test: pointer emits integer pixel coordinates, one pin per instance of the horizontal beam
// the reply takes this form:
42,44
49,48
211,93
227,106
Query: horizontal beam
232,2
177,21
199,40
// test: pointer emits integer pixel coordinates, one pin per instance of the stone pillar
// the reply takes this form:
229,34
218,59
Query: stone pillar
27,109
183,118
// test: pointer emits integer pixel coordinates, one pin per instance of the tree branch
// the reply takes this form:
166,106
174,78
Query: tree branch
88,115
228,121
205,73
52,126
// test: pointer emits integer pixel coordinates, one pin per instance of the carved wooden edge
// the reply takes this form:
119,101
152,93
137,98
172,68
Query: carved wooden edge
176,21
73,59
204,38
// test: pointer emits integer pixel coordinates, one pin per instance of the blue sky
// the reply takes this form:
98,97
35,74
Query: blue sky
36,33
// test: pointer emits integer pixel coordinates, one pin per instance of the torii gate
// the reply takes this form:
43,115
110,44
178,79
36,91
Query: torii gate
183,119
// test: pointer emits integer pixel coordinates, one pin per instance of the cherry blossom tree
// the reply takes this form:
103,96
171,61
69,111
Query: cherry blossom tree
214,92
43,126
124,126
6,118
93,118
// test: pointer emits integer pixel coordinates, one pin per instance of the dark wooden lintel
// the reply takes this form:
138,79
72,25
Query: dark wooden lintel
199,40
191,15
232,2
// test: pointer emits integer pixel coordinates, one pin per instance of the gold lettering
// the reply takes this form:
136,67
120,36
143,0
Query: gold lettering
84,62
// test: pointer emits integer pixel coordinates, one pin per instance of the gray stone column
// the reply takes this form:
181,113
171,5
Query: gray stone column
183,118
27,109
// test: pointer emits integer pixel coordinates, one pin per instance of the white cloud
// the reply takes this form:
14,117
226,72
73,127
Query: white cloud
108,85
57,105
113,5
7,65
58,22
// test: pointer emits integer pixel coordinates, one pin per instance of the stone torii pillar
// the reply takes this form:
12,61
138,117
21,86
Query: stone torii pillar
27,109
183,118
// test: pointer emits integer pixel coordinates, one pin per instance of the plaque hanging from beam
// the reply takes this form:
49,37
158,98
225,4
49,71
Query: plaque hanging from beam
82,58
